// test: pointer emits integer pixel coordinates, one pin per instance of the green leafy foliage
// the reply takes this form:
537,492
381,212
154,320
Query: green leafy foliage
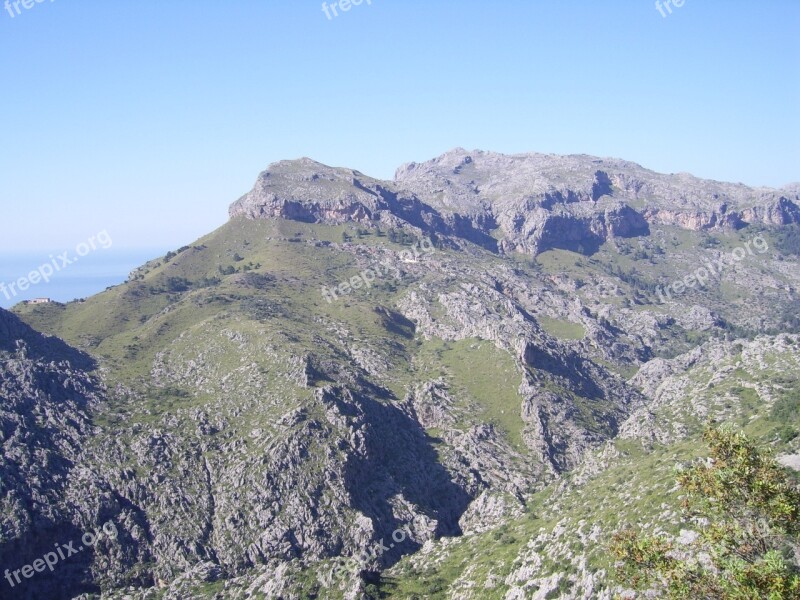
787,240
748,546
786,411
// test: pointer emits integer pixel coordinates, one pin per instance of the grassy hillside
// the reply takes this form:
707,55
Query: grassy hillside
229,349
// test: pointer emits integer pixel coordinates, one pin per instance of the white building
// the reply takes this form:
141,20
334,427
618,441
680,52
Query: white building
39,301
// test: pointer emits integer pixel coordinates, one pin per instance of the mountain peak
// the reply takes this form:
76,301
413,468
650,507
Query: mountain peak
305,190
530,202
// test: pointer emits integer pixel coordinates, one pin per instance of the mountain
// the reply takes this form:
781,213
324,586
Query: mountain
454,384
523,203
46,432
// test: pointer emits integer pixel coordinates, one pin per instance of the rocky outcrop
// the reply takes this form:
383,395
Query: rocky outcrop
525,203
244,434
50,495
307,191
542,201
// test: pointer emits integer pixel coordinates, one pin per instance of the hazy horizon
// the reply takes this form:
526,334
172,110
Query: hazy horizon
97,271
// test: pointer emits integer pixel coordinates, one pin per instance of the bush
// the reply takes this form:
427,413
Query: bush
753,513
787,240
177,284
787,408
261,309
787,433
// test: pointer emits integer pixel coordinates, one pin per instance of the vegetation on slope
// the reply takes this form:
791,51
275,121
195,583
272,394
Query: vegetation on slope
749,535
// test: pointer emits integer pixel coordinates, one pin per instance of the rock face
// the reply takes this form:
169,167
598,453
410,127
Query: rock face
529,202
50,495
524,193
245,433
307,191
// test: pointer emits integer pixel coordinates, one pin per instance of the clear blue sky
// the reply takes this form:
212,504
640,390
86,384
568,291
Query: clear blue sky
147,119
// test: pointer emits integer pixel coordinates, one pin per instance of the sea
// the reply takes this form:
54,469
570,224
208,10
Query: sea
83,277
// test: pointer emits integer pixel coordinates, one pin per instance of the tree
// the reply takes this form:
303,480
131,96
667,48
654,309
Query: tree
748,548
177,284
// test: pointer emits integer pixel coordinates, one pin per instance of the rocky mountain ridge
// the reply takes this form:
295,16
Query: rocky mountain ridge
251,438
527,202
